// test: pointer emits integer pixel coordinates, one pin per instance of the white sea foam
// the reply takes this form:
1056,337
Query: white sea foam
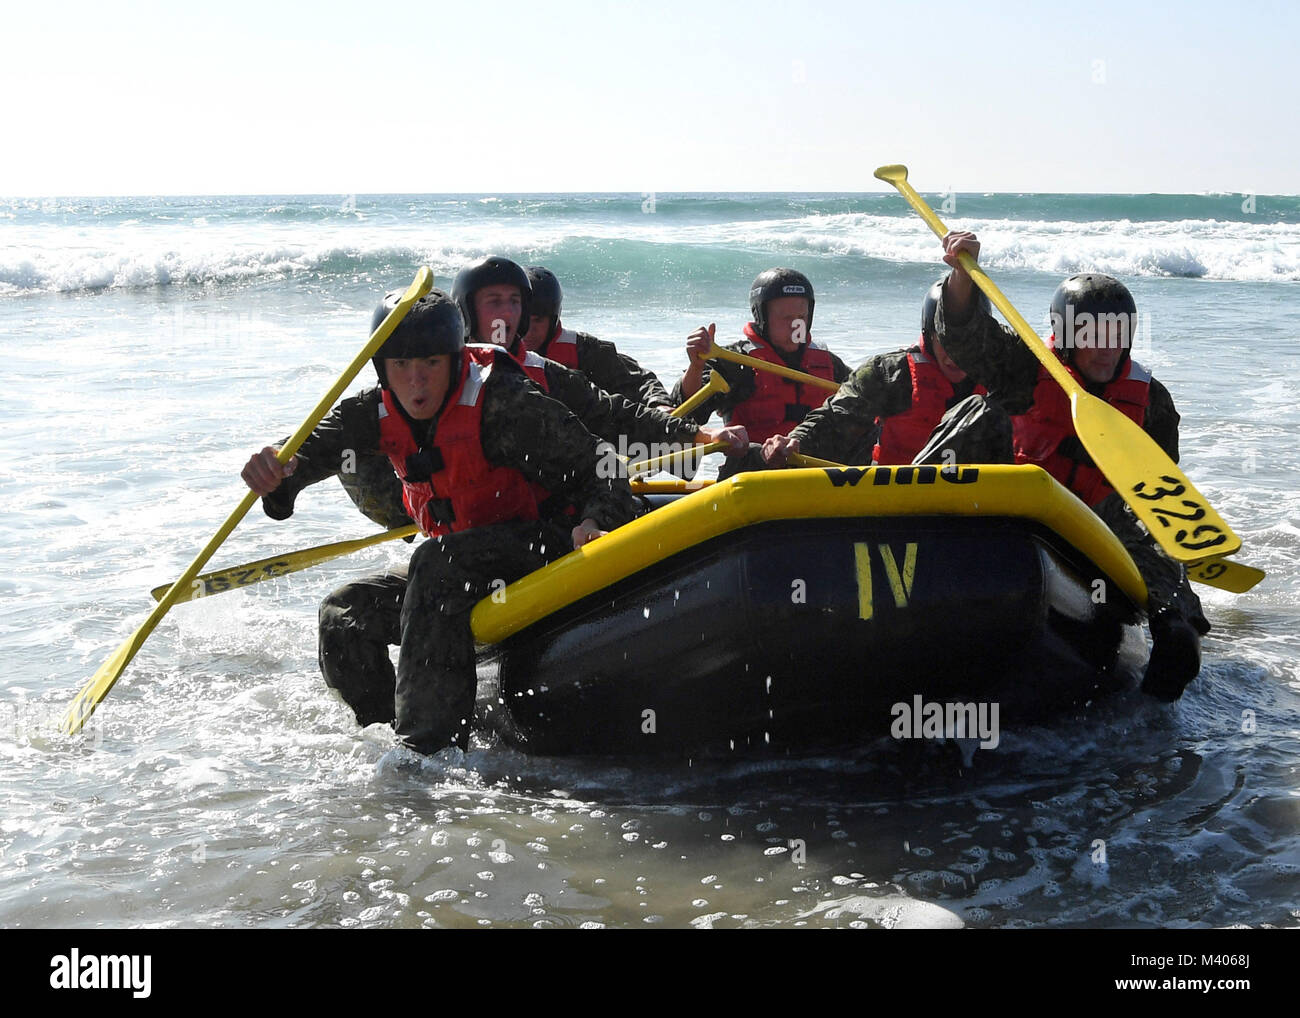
128,255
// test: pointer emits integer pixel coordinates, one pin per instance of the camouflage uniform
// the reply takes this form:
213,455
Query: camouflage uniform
376,491
741,379
615,372
610,416
426,607
994,354
844,428
339,446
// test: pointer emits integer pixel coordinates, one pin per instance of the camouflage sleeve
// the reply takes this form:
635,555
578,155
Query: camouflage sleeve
991,353
611,416
617,373
525,429
350,431
843,428
738,376
376,490
1162,419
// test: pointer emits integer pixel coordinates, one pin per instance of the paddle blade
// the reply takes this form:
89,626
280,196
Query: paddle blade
93,692
1225,574
221,580
894,173
1179,517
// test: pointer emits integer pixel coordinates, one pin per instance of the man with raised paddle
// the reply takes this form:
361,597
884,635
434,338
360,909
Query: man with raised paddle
1093,322
490,468
781,303
886,411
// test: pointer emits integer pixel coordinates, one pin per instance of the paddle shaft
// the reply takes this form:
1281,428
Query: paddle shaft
1045,356
693,450
721,353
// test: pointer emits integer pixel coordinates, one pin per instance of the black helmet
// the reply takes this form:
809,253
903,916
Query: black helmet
931,303
491,271
1097,296
432,326
774,283
547,297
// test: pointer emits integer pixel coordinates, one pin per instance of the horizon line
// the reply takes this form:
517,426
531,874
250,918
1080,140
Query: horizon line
638,194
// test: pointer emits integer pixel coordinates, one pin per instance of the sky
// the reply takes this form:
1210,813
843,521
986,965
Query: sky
347,98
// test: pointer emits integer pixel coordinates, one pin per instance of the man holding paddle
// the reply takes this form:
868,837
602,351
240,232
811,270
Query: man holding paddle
1093,318
495,471
781,303
495,298
886,411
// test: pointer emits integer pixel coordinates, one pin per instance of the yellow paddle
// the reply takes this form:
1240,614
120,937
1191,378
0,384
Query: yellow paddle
716,383
220,581
720,353
1235,577
676,486
94,691
646,466
1180,519
236,577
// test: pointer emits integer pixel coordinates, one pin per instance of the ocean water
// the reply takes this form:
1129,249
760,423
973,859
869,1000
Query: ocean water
153,343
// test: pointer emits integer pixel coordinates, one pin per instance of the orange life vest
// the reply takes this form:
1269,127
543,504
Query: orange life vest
778,404
1038,434
464,490
903,435
562,348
